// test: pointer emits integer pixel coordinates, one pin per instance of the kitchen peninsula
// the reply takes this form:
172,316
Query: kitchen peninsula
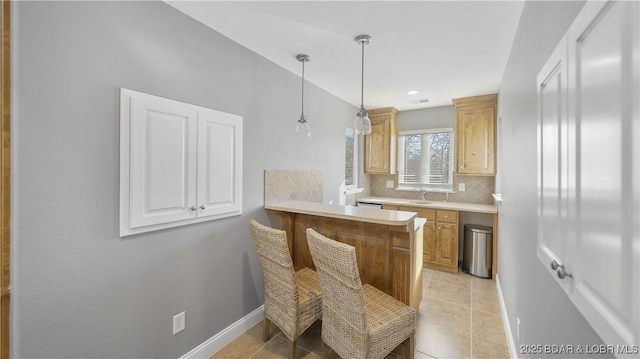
388,243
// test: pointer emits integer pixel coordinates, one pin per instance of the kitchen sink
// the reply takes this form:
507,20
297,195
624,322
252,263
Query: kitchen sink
420,202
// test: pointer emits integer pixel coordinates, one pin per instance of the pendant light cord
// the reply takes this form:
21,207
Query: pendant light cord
362,79
303,87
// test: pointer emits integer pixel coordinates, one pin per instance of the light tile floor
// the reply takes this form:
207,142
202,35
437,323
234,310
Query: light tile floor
459,318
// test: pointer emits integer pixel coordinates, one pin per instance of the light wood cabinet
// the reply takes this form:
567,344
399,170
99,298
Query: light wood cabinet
476,135
380,147
440,237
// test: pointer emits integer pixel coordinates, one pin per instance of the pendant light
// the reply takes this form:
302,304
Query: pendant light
362,123
303,129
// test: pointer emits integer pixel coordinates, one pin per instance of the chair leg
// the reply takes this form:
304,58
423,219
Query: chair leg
265,329
325,351
293,346
410,345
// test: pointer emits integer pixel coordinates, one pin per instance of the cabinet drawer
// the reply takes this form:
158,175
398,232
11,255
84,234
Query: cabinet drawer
429,214
447,216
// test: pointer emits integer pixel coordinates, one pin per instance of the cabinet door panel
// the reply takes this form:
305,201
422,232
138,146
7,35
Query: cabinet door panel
380,147
162,168
429,242
219,164
447,243
377,147
476,135
603,45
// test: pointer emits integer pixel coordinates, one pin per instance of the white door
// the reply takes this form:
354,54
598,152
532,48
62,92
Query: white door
162,165
553,161
219,164
604,58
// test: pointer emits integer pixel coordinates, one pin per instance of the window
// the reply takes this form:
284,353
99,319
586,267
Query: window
425,159
351,159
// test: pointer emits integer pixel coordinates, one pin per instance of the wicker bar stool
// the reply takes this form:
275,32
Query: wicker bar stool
358,321
292,300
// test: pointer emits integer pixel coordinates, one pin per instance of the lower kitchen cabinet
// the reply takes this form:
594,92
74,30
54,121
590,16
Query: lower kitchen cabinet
440,237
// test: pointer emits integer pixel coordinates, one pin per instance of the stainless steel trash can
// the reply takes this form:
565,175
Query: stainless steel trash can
478,250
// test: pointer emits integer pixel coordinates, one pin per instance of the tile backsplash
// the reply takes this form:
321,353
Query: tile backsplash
298,185
478,189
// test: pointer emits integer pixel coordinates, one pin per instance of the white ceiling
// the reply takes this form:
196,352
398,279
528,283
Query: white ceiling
443,49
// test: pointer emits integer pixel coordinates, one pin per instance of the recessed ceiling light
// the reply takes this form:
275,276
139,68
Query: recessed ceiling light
412,92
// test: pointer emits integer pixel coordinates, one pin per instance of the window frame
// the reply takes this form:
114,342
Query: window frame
356,150
431,187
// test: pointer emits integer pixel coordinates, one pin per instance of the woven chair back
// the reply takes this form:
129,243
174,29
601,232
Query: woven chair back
344,324
281,291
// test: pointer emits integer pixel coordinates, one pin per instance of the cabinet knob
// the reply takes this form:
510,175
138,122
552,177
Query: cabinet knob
203,207
439,227
193,208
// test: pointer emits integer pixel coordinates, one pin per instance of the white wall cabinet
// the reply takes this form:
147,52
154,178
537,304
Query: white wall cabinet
589,169
179,163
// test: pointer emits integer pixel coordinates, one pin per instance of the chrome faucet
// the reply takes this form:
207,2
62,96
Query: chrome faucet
424,194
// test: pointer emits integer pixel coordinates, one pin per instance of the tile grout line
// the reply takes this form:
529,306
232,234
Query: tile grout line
264,345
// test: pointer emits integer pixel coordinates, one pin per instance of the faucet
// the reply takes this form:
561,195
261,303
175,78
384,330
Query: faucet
424,194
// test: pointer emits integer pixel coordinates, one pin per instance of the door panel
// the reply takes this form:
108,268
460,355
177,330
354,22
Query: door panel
604,54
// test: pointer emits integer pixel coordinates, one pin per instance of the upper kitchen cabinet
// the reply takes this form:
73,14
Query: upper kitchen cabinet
179,163
476,135
380,147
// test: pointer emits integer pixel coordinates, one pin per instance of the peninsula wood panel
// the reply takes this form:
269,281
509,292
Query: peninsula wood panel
387,255
372,244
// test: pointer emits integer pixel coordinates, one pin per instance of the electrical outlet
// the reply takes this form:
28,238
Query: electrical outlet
389,184
518,328
179,323
461,187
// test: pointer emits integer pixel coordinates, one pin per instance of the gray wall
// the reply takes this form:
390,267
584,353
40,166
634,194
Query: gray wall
78,289
546,314
433,117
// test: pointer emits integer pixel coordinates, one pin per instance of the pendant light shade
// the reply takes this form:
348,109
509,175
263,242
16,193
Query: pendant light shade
302,128
362,124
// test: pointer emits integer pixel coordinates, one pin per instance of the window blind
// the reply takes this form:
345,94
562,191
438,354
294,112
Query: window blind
425,157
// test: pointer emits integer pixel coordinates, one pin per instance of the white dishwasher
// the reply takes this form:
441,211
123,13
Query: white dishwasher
370,204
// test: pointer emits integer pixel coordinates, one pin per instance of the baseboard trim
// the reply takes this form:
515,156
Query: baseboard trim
505,319
226,336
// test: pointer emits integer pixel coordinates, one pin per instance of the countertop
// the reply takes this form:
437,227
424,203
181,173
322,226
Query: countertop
456,206
362,214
